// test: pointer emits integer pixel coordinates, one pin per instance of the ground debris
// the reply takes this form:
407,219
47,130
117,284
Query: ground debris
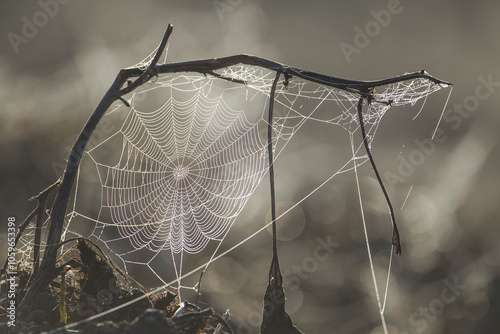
154,321
98,286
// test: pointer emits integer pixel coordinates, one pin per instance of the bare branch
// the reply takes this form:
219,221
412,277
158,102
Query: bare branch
395,233
61,202
151,70
209,66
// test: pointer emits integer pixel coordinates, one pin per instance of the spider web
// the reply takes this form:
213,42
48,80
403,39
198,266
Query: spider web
167,178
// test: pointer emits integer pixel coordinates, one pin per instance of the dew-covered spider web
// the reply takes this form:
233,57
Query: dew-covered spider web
166,179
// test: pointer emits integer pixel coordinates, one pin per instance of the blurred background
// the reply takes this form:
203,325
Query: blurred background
58,58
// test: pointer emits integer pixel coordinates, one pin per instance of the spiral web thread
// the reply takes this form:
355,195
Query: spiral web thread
167,177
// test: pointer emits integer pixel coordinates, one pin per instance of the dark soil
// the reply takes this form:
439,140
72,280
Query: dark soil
96,287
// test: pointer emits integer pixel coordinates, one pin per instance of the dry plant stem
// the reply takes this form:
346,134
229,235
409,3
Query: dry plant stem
39,212
38,236
275,268
42,200
198,289
60,204
116,92
395,233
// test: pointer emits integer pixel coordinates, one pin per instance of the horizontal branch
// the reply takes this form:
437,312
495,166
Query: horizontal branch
208,66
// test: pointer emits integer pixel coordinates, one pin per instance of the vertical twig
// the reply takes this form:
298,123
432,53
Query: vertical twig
42,200
38,234
198,289
274,271
395,233
39,210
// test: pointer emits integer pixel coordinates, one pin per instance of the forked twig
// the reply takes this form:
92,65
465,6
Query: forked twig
115,92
